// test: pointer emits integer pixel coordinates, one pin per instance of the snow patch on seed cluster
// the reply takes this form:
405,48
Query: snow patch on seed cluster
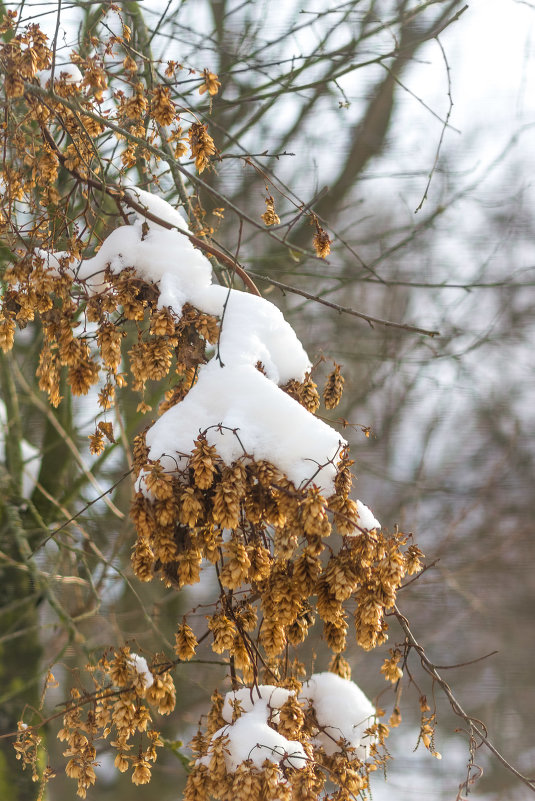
366,519
243,411
342,711
139,663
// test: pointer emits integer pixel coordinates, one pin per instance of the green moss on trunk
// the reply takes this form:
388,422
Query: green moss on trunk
20,657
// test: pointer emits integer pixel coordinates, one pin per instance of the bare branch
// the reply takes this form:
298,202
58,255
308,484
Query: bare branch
344,309
455,705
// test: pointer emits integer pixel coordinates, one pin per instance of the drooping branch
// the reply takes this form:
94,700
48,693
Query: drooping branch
474,725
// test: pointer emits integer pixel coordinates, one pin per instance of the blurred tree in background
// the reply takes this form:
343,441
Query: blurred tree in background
279,131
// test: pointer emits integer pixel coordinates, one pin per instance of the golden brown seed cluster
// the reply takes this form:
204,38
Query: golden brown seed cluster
27,747
23,56
83,331
121,709
321,240
305,392
42,133
165,344
390,667
279,568
201,144
270,216
211,83
270,544
334,386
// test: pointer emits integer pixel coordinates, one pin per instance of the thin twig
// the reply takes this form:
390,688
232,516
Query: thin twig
195,240
443,131
80,512
69,442
119,193
55,44
344,309
475,726
464,664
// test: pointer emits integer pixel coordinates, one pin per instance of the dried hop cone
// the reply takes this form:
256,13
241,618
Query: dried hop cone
201,144
321,242
270,216
185,642
333,388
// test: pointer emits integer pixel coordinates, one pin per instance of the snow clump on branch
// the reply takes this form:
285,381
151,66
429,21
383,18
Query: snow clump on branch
139,663
231,394
341,710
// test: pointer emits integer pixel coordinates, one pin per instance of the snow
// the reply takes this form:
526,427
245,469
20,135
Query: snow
341,709
250,737
254,329
365,517
69,72
140,665
340,706
153,253
247,697
158,207
230,394
270,425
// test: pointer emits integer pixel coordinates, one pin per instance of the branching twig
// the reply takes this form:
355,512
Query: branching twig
474,726
69,442
443,131
81,512
344,309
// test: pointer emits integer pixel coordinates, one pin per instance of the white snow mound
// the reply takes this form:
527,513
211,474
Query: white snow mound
230,394
275,697
365,518
268,424
342,710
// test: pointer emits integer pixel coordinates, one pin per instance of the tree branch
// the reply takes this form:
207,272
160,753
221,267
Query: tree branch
345,309
474,725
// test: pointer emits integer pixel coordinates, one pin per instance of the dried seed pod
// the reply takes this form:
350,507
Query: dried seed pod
321,241
333,388
203,461
270,216
185,642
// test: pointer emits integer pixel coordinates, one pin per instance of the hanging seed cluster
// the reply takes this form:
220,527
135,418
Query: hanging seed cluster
117,710
121,709
278,565
83,334
54,141
284,557
52,172
140,110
